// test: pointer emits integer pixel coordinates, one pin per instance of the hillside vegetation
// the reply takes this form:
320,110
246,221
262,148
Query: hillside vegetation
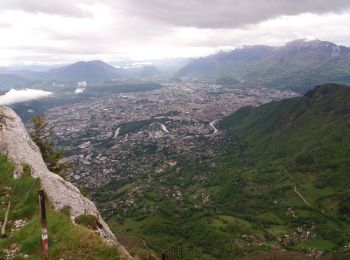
281,182
23,237
291,158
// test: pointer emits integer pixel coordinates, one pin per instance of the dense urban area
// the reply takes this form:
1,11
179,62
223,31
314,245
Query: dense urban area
120,136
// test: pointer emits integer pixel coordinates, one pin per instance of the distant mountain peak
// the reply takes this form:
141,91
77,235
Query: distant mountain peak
92,71
92,63
317,48
309,43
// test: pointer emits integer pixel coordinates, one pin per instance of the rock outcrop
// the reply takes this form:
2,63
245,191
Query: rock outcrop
16,143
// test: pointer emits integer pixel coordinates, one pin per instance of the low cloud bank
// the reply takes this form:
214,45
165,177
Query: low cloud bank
17,96
80,87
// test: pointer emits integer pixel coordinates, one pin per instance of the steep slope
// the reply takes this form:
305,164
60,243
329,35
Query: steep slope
16,144
313,125
296,65
22,239
293,154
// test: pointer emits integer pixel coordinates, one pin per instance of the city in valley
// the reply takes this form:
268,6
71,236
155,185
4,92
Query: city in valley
120,136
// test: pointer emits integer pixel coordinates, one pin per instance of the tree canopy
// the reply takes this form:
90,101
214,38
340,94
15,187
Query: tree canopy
43,136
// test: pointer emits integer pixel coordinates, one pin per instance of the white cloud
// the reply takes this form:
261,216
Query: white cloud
81,86
17,96
79,91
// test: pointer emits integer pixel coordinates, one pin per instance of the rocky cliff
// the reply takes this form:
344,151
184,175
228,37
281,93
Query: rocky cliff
16,143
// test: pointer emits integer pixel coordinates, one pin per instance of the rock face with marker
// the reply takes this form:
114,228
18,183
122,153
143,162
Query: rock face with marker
15,142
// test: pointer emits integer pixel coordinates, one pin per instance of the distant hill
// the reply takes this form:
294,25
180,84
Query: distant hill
296,65
90,71
8,81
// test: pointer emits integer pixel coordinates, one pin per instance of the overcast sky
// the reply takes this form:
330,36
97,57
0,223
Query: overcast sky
60,31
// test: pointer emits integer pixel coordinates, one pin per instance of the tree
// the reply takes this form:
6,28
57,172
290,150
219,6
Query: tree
43,136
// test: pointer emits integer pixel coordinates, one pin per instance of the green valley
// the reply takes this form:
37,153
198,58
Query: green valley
279,181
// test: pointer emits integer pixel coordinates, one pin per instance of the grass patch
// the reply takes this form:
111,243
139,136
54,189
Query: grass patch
271,218
88,221
66,240
321,244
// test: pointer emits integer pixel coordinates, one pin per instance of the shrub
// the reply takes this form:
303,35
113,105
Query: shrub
88,221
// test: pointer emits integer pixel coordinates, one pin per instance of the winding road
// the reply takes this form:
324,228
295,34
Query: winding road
212,124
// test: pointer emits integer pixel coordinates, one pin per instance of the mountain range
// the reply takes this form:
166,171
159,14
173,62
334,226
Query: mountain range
297,65
89,71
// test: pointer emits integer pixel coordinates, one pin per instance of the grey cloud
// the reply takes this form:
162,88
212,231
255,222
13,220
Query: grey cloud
60,7
193,13
225,13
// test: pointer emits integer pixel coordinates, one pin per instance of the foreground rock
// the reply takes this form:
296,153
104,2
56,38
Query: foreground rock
16,143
